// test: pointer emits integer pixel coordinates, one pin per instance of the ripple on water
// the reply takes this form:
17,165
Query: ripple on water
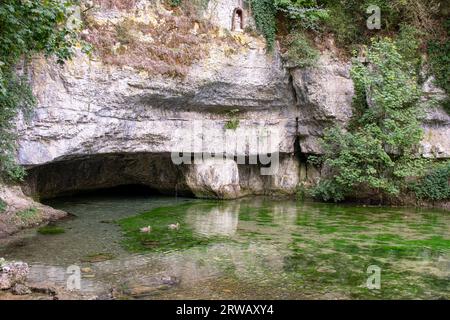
252,248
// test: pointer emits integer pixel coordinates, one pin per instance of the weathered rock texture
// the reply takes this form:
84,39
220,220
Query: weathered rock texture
124,124
99,125
436,142
324,98
21,211
13,273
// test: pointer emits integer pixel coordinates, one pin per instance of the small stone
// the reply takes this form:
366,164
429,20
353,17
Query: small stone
88,276
86,270
141,290
170,280
13,273
20,290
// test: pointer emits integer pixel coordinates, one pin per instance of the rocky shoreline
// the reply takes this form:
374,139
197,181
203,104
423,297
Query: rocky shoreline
21,212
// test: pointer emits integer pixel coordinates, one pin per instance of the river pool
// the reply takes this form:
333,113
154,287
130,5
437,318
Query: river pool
245,249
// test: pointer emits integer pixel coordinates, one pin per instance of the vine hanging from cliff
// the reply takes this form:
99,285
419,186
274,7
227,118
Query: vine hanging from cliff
27,27
264,12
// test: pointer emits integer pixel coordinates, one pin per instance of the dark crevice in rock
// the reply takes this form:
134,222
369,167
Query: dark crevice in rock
139,172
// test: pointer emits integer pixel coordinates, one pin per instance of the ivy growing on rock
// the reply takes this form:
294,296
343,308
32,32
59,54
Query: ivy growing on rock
381,150
302,14
264,12
2,205
439,54
27,27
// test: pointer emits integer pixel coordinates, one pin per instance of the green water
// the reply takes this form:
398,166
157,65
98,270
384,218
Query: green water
246,249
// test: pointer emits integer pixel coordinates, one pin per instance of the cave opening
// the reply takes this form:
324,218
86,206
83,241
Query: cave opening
144,174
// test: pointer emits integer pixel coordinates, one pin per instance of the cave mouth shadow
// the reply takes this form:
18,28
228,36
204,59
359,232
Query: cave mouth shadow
127,174
126,190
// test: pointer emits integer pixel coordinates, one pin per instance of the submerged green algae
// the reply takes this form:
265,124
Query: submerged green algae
161,236
248,249
322,248
50,230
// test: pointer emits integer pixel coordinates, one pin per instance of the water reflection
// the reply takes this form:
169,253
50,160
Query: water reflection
256,249
221,220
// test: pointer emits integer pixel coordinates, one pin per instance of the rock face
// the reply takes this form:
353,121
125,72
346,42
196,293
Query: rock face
98,125
214,179
21,211
13,273
436,142
324,98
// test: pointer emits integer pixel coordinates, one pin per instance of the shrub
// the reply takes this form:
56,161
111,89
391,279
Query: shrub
435,185
300,51
305,14
348,19
439,60
233,122
2,205
381,150
328,190
264,12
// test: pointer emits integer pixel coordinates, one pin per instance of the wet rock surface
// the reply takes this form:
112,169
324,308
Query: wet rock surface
12,274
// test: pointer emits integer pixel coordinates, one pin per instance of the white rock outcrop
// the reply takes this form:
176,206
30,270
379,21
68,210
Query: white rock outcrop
98,125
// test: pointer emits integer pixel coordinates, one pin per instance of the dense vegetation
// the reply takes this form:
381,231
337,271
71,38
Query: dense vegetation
27,28
346,21
379,153
381,149
435,184
439,54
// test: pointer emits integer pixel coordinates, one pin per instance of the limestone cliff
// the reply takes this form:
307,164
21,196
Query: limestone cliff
100,123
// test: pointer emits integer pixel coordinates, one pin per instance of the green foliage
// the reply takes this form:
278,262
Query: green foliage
17,95
28,214
435,185
27,27
344,24
175,3
233,122
2,205
328,190
348,18
439,58
50,230
381,150
304,13
264,12
301,191
408,42
301,52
